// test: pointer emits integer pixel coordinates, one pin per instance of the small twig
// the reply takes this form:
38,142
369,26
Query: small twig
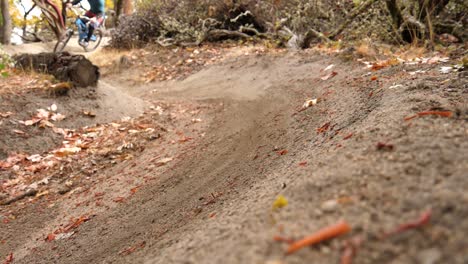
30,192
421,221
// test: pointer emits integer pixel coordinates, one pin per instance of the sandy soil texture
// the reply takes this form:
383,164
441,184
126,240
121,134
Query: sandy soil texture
235,135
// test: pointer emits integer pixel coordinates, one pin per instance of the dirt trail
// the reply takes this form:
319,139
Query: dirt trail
39,47
212,203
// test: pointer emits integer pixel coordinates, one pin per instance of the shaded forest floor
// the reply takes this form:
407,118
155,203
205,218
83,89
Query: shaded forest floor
178,156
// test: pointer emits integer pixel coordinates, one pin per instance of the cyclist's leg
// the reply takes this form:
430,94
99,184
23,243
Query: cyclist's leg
93,26
82,30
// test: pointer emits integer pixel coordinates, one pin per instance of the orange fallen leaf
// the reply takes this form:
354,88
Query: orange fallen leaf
439,113
50,237
323,128
135,189
374,78
303,163
282,152
348,136
9,259
323,234
76,223
130,250
119,199
185,139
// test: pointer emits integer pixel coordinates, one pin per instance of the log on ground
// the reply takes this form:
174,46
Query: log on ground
63,66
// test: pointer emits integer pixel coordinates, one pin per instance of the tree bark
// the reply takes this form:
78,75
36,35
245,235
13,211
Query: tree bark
118,10
127,7
63,66
6,23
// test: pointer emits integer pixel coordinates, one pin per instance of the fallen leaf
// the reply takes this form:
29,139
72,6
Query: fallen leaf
9,259
19,132
76,223
384,146
119,199
374,78
89,113
438,113
321,235
446,69
282,152
132,249
57,117
329,67
31,122
45,123
63,152
396,86
329,76
423,219
348,136
134,190
50,237
323,128
303,163
34,158
42,114
280,202
5,115
310,103
185,139
163,162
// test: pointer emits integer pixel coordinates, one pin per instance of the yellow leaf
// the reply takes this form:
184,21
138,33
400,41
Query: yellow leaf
280,202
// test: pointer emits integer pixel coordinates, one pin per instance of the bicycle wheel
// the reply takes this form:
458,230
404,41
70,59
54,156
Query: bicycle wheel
93,44
64,41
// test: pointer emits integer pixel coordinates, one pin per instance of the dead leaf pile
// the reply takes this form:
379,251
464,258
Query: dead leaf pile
43,117
104,144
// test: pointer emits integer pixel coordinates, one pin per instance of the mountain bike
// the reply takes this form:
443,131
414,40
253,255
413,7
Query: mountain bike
95,39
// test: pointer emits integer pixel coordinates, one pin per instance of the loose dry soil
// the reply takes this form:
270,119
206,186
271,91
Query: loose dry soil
238,138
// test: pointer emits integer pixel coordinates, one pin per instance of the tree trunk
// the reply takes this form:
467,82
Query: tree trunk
118,10
6,23
127,7
63,66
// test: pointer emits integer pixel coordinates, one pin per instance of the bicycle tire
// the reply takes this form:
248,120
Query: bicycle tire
95,44
61,44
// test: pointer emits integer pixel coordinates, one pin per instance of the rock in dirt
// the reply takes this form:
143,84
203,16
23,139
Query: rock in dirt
329,206
429,256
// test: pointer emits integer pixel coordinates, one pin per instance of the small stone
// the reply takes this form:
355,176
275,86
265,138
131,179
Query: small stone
429,256
329,206
64,189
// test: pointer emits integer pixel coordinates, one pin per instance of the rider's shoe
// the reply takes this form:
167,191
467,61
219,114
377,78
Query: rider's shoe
83,43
